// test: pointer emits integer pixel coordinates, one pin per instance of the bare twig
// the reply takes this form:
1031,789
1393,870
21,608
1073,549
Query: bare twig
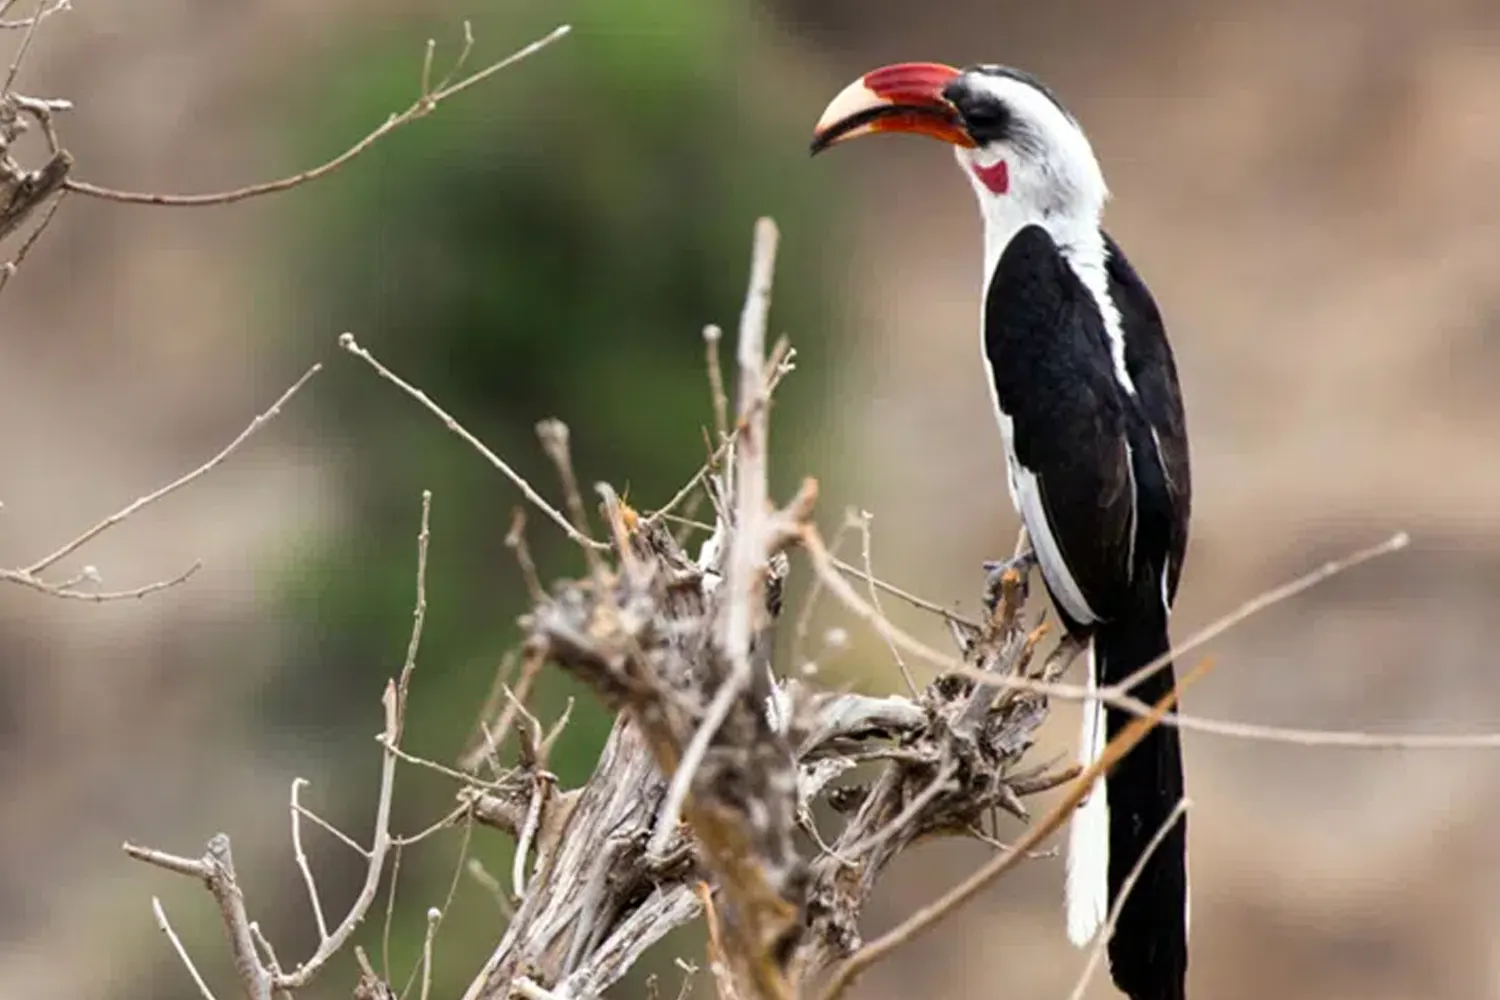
694,481
530,738
32,24
689,970
822,562
446,821
921,603
718,962
478,746
712,335
460,865
434,918
863,519
1045,782
780,367
553,434
419,108
490,884
41,15
1101,941
427,57
556,442
418,614
622,520
747,553
495,735
463,777
1347,740
25,579
903,819
379,847
810,602
390,912
348,343
370,986
41,110
11,266
216,868
515,540
182,952
191,867
260,421
340,835
544,752
539,789
307,875
1275,595
463,58
268,955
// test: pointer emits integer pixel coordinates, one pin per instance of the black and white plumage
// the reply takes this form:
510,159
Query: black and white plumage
1086,394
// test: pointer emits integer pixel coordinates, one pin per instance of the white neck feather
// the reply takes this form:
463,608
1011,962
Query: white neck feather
1077,235
1072,220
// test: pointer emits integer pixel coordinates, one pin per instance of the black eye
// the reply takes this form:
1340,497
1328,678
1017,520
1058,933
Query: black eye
987,118
986,114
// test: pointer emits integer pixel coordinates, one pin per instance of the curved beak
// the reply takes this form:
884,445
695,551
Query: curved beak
904,97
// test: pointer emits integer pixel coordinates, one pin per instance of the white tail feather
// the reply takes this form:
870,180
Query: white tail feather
1088,836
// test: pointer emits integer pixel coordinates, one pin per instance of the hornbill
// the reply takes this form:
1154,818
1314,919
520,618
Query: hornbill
1085,391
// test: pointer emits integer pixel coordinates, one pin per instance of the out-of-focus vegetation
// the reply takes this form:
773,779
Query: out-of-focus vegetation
548,244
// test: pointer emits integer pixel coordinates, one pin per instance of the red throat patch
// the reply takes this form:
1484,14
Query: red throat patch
995,177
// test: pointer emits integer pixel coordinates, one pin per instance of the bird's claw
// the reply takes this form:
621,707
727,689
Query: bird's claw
996,568
995,571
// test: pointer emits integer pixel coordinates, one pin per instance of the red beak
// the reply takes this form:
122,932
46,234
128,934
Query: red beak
905,97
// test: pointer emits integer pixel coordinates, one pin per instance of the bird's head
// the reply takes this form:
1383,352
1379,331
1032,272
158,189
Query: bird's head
1024,153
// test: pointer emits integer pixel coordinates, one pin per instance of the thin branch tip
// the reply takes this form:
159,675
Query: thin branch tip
425,102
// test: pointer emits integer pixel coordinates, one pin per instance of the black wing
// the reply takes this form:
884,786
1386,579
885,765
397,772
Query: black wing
1148,358
1050,364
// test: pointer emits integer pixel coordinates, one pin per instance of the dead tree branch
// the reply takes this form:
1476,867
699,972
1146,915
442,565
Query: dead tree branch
426,102
348,343
216,869
23,191
31,575
680,647
720,774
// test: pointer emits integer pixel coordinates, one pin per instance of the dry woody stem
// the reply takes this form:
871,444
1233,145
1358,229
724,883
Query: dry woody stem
726,791
729,789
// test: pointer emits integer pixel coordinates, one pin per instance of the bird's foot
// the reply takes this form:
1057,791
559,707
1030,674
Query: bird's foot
995,571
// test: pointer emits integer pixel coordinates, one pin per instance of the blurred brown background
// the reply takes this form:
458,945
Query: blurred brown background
1308,188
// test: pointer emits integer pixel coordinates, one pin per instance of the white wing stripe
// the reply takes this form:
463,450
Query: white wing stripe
1089,260
1026,495
1048,553
1088,836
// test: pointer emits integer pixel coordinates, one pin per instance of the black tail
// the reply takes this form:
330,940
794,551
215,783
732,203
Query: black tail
1148,953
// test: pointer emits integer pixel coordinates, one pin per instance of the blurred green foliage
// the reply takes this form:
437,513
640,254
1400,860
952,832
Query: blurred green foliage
549,243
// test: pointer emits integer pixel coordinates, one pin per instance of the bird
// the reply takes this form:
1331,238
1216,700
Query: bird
1085,389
